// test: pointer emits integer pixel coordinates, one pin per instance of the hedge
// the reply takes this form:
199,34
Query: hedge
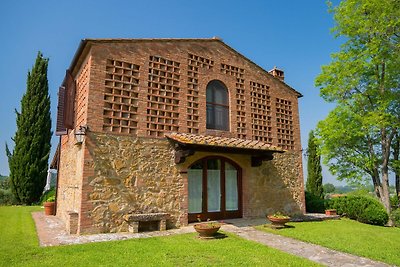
396,217
314,204
361,208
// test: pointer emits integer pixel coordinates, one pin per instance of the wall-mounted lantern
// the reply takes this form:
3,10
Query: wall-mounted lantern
80,134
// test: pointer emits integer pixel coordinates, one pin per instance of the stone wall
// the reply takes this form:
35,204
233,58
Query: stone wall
138,175
69,177
132,175
276,185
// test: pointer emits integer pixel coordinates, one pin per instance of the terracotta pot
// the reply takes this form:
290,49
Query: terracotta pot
207,230
278,222
330,212
49,208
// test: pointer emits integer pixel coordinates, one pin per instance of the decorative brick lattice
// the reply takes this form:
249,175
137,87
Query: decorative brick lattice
163,96
240,97
120,113
240,108
260,112
194,65
284,124
82,87
232,70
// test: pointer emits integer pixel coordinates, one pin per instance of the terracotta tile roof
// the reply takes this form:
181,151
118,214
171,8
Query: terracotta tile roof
215,141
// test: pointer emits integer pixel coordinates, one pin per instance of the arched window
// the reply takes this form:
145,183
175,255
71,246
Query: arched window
217,106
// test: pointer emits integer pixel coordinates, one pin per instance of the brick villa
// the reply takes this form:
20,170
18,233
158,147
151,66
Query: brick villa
182,127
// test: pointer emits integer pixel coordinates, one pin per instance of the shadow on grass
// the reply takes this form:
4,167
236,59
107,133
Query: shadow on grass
278,227
216,236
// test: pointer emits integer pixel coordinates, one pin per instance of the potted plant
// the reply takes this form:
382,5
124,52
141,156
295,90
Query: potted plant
207,229
278,219
330,212
49,205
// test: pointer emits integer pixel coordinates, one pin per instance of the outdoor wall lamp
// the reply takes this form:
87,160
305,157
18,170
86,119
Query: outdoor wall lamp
80,134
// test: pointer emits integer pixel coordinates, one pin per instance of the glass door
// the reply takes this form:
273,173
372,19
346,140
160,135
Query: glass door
231,188
213,185
214,188
195,188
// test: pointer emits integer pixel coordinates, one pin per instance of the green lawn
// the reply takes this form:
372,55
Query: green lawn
374,242
19,247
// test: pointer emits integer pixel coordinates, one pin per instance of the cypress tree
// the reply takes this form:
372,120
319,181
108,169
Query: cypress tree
314,169
28,162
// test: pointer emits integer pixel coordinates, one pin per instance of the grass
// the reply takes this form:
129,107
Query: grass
19,247
374,242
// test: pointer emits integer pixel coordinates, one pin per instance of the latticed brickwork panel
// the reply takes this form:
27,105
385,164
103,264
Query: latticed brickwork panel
240,97
284,123
260,112
192,97
120,112
232,70
82,86
163,96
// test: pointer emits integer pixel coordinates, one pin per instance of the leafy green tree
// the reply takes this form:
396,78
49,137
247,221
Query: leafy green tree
314,169
346,151
363,79
4,184
329,188
29,160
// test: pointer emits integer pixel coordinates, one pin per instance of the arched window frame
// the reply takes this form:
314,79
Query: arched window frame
217,104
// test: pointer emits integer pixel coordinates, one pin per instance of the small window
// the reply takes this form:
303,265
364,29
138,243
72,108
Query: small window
217,106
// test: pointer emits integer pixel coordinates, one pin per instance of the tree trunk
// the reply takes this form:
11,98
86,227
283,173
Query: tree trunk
377,186
374,172
396,152
386,140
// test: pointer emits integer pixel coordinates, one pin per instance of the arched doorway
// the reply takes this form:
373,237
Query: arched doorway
214,189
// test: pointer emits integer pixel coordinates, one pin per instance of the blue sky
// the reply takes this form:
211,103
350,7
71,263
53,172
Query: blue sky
292,35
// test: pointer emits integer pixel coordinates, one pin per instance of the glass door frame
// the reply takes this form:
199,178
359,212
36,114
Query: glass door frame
223,214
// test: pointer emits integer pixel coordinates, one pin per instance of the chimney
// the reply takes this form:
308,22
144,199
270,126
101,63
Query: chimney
277,73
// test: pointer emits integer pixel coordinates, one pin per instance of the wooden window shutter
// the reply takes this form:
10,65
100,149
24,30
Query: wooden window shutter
69,101
60,128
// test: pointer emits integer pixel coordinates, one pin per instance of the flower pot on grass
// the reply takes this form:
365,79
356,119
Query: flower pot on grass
49,206
330,212
278,220
207,229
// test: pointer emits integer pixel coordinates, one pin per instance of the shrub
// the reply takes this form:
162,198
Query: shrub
361,208
394,201
314,203
396,217
4,183
51,199
374,215
7,197
46,195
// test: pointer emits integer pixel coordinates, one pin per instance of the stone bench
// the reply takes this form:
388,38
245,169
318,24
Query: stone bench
134,219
